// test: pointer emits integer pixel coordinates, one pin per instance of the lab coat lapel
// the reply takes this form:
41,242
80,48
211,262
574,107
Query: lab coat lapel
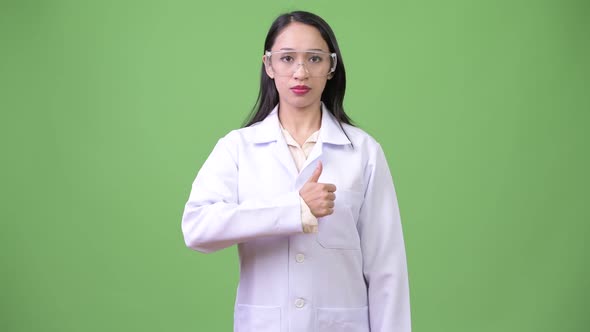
283,154
315,154
330,133
269,131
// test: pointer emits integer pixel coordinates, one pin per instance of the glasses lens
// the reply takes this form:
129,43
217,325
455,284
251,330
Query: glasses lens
285,63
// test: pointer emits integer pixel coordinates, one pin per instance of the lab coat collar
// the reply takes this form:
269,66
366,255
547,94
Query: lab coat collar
269,129
331,131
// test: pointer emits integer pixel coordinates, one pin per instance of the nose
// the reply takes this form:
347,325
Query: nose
300,71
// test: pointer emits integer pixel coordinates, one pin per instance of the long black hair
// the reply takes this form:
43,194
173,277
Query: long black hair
333,94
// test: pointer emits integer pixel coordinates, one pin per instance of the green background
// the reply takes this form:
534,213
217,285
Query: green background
109,108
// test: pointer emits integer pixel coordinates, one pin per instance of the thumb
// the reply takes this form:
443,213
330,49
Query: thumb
316,173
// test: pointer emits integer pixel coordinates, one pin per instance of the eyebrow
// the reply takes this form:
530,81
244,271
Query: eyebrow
310,49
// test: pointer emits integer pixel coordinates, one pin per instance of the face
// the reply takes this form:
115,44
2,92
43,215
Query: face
299,90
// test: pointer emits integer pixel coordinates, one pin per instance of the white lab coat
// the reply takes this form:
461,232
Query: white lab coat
350,276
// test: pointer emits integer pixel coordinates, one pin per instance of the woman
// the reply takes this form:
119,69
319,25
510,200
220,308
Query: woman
307,197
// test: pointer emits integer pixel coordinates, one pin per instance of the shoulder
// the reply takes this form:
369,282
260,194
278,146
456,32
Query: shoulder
243,138
240,135
360,138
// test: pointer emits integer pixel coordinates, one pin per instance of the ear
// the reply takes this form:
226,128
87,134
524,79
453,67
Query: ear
268,68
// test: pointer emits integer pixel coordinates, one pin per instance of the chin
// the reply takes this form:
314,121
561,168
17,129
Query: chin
302,102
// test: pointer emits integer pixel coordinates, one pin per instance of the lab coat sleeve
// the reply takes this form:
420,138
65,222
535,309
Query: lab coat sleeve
213,219
383,250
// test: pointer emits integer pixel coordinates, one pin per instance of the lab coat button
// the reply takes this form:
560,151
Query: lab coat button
299,258
299,303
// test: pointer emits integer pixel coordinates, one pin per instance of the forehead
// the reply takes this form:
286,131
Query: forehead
300,36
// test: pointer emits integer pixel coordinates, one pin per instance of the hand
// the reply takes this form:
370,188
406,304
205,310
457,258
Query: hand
318,196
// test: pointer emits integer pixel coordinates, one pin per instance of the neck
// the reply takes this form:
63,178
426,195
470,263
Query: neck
301,121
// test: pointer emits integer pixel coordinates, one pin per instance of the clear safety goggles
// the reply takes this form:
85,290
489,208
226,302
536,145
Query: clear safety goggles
287,62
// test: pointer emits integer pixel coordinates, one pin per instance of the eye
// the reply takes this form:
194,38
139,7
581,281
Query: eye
286,58
315,58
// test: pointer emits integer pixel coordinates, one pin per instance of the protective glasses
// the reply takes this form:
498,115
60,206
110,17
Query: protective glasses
315,63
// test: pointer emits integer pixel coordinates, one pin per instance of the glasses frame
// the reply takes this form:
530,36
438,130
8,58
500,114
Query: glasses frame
269,54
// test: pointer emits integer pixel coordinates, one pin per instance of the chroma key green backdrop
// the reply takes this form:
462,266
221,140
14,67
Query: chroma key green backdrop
109,108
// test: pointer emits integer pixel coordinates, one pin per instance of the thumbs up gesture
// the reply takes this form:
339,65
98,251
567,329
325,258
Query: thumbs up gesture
318,196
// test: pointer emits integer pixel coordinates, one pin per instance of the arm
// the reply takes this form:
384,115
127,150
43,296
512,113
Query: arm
382,244
213,219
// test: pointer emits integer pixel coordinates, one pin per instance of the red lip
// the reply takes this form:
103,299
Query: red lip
300,89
